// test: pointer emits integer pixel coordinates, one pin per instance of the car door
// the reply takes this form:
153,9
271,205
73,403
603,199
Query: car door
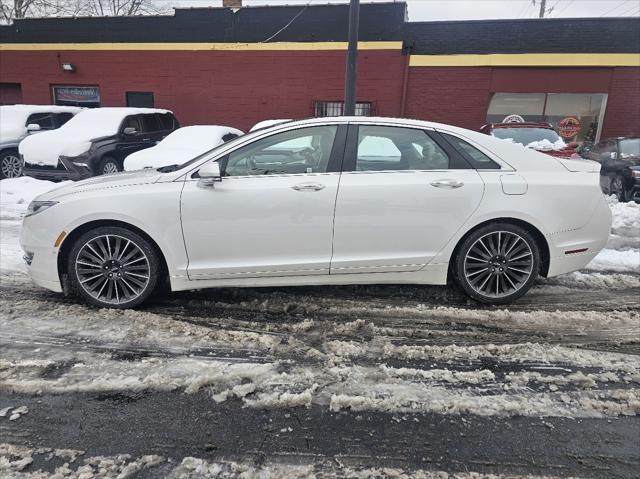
132,142
403,194
272,212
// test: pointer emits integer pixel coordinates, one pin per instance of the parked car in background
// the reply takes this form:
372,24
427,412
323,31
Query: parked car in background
183,144
18,121
538,136
343,200
620,171
266,124
94,142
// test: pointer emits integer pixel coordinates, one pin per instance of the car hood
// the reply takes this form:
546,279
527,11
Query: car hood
117,180
45,148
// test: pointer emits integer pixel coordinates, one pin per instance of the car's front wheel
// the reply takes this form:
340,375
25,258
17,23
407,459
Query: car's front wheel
10,164
109,166
497,263
617,188
113,267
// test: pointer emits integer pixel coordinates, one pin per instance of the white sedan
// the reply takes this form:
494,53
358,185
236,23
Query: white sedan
345,200
181,145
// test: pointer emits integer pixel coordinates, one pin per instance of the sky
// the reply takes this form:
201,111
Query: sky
424,10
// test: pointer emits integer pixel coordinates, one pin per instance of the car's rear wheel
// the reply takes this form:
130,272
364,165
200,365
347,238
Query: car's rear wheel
10,164
617,188
497,263
109,166
113,267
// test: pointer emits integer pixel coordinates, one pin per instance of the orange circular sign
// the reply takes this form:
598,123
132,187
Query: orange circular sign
569,127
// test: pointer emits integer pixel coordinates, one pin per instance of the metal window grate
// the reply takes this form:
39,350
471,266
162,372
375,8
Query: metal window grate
335,108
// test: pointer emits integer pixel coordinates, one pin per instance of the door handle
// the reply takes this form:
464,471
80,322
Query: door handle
447,183
308,187
146,139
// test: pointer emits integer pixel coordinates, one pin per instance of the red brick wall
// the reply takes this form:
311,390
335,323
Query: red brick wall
458,96
622,116
232,88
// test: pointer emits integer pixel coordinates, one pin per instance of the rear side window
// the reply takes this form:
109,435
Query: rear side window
474,156
387,148
45,120
167,121
150,123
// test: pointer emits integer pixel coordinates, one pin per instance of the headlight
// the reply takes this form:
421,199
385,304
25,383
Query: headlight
38,206
635,174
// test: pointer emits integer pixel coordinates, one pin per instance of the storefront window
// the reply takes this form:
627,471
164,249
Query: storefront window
574,116
87,96
505,107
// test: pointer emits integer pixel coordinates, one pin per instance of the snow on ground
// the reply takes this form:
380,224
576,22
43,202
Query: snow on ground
15,459
342,351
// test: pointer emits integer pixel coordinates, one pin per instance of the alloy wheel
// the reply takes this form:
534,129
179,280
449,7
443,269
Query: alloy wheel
112,269
109,168
11,166
498,264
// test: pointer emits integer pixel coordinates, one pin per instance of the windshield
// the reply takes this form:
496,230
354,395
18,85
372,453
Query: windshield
526,136
630,147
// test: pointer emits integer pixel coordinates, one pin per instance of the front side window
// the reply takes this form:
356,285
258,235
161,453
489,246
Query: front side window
44,120
62,118
132,122
306,150
384,148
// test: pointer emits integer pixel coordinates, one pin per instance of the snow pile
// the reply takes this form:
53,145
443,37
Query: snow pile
541,145
17,193
622,253
180,146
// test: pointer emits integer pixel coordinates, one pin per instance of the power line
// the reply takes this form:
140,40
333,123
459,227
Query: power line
614,8
287,25
564,8
630,10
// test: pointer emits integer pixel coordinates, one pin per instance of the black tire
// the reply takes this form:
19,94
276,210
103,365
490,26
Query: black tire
501,267
118,281
109,165
617,188
10,164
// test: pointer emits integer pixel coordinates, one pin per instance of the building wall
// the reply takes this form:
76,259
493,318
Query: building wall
239,88
460,95
235,88
622,116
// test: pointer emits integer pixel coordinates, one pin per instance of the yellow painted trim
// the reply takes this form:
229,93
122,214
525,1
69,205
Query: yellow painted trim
275,46
528,60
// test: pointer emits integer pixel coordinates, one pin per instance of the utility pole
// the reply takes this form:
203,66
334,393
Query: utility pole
543,8
352,60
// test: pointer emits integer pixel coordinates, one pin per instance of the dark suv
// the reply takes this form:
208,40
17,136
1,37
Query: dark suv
95,143
620,160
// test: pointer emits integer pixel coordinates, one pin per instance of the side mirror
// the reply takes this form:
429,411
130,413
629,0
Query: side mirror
209,175
613,155
129,131
31,127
